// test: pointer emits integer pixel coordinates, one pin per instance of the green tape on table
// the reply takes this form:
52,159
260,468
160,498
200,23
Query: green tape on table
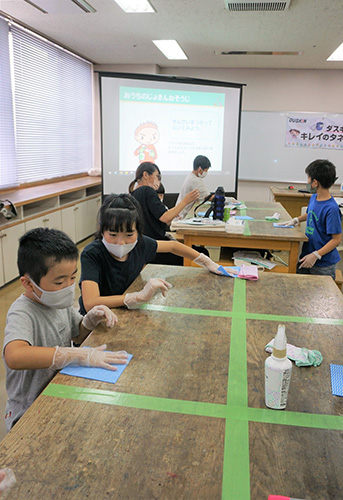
236,468
241,314
246,231
236,465
135,401
261,415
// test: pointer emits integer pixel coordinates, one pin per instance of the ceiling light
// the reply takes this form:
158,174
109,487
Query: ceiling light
337,55
135,6
171,49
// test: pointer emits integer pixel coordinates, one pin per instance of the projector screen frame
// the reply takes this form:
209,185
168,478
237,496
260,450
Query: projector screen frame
178,80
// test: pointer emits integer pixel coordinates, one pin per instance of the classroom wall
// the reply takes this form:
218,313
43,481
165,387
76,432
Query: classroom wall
266,90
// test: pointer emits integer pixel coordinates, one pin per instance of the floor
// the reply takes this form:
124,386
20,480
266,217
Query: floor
10,292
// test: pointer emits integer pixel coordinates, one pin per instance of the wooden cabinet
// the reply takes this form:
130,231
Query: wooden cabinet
9,238
70,206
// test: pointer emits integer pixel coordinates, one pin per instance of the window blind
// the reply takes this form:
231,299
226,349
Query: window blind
7,144
53,109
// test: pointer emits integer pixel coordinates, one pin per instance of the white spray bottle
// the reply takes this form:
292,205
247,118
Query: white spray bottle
278,370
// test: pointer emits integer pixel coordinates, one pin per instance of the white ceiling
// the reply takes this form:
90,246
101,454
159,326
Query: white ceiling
203,28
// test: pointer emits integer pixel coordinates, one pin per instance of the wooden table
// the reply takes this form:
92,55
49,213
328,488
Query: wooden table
258,234
293,201
187,419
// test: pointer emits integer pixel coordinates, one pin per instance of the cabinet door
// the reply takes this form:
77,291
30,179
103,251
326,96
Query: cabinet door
81,221
93,209
68,222
53,220
10,243
33,223
2,277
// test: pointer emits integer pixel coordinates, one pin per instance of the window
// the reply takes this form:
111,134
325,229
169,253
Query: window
7,145
52,95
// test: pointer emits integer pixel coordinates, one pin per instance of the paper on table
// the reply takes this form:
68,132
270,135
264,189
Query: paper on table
336,372
244,217
94,373
253,257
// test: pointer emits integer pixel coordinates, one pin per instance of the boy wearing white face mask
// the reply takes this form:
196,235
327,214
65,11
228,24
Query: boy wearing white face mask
42,322
120,251
195,180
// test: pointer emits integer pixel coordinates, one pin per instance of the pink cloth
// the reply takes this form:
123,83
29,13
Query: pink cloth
248,273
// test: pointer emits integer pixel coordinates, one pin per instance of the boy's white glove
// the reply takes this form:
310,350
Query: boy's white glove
98,314
309,260
292,222
134,299
88,356
205,261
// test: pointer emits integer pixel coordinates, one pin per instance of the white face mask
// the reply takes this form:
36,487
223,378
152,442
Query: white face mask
59,299
119,250
203,175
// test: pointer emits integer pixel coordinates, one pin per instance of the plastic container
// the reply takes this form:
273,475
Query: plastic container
278,371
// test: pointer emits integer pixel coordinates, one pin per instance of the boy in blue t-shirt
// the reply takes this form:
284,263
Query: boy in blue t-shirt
323,222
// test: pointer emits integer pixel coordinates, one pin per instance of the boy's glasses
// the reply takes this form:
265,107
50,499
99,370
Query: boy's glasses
8,214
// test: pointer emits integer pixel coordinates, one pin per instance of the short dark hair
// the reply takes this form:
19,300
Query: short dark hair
119,212
160,189
323,171
201,161
41,248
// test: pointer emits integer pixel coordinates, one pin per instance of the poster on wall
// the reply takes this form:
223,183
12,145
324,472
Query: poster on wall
310,130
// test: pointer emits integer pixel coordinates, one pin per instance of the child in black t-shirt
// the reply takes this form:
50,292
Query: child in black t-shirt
114,260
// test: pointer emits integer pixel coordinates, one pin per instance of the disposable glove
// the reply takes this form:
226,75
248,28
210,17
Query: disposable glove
292,222
7,480
98,314
205,261
88,356
134,299
309,260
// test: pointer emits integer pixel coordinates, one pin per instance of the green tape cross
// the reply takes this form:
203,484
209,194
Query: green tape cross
237,414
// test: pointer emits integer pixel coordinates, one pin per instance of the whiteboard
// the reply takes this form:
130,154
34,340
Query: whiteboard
264,156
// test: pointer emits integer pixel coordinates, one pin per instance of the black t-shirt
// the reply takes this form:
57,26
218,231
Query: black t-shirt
153,209
112,276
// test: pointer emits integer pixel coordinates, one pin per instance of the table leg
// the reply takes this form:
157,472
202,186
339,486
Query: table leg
189,243
293,257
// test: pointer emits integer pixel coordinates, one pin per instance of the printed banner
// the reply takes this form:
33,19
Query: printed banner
314,131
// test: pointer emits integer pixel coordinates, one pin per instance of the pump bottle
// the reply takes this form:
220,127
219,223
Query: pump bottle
278,370
219,203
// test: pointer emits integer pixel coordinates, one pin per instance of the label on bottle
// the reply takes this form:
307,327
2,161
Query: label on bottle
277,384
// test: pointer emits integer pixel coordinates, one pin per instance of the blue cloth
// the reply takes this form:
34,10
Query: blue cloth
323,220
112,276
96,373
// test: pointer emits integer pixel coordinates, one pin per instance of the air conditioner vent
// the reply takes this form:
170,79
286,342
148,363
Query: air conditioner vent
257,5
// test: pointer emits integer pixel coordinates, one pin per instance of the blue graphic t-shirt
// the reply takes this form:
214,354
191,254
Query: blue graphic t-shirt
323,220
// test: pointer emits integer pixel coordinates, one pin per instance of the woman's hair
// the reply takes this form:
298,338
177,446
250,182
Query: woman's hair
119,213
146,166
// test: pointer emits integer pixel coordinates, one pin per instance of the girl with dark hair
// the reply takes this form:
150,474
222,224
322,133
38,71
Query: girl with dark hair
119,252
157,217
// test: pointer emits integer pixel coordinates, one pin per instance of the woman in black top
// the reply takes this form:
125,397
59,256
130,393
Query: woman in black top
157,217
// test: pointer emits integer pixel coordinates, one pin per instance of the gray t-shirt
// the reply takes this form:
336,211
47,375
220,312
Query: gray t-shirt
38,325
191,182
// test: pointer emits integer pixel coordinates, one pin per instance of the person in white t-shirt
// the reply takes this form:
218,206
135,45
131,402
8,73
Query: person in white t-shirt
195,180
